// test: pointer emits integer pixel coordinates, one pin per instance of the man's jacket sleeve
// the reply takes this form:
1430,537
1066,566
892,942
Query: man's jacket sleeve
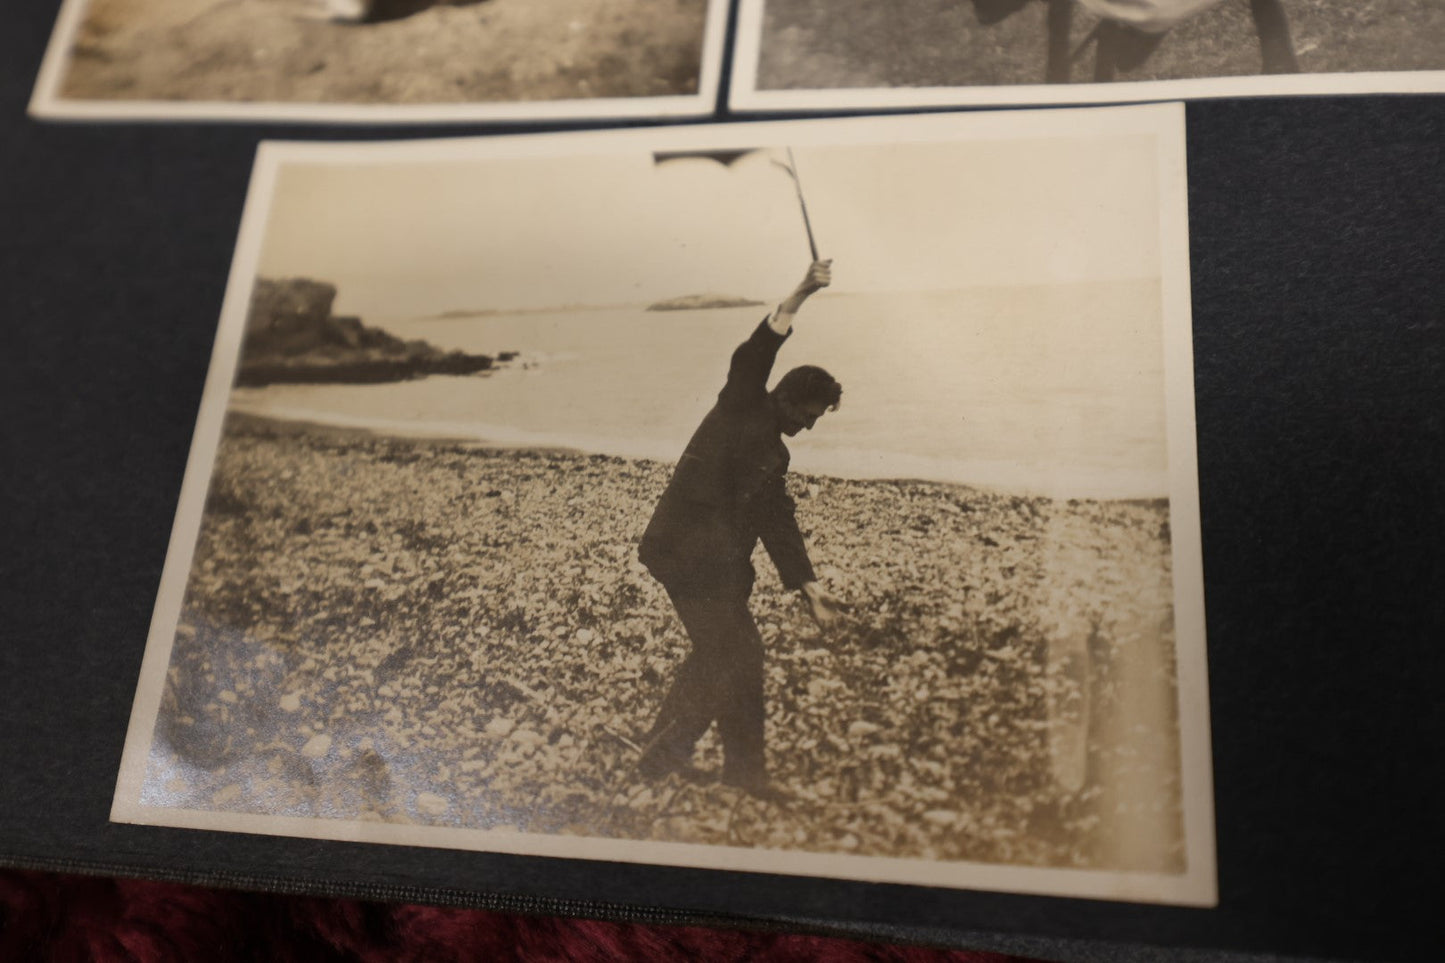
751,364
782,538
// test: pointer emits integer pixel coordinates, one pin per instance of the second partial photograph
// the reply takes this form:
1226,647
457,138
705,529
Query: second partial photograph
832,54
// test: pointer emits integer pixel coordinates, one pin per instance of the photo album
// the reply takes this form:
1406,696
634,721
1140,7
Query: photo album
685,445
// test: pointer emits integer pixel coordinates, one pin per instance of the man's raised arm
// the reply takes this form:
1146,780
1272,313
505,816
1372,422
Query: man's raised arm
820,275
752,362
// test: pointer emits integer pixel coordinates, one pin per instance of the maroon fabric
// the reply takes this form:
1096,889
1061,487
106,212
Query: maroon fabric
69,919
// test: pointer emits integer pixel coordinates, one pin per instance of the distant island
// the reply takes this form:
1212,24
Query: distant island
293,338
688,302
694,302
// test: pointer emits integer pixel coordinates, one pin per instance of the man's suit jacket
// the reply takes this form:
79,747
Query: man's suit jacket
728,491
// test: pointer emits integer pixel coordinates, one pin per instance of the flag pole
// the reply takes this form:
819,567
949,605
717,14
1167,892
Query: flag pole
802,204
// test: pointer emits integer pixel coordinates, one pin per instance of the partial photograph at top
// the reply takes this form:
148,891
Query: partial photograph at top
794,54
389,61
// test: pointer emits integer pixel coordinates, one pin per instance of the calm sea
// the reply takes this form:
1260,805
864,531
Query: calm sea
1056,390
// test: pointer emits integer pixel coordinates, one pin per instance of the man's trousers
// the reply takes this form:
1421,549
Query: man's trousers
721,681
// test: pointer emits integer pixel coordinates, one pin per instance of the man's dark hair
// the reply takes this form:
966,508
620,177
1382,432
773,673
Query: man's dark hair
807,383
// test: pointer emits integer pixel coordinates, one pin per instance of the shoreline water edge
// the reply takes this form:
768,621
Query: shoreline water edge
429,631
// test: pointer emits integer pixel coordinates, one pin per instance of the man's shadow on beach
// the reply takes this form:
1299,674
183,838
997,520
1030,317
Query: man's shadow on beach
380,11
1058,19
990,12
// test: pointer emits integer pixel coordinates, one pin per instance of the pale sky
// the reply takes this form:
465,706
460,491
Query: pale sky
407,239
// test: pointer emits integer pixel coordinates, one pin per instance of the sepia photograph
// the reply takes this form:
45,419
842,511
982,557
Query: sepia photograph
801,54
813,498
383,61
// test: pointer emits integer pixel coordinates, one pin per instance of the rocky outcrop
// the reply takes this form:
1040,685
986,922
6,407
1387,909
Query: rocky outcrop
292,337
693,302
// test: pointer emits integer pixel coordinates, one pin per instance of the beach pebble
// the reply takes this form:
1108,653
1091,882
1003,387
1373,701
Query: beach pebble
430,804
500,727
316,746
290,702
527,739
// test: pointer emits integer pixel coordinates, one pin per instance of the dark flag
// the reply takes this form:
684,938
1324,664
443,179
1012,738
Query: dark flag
729,157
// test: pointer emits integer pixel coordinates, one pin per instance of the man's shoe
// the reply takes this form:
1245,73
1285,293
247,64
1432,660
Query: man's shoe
759,787
660,765
695,775
656,765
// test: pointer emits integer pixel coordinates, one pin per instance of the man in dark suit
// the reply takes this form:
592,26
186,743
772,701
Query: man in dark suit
727,493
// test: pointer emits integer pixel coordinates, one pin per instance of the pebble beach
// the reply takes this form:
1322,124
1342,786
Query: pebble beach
430,632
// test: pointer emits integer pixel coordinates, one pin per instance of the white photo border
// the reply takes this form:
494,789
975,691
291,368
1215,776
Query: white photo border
1195,886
